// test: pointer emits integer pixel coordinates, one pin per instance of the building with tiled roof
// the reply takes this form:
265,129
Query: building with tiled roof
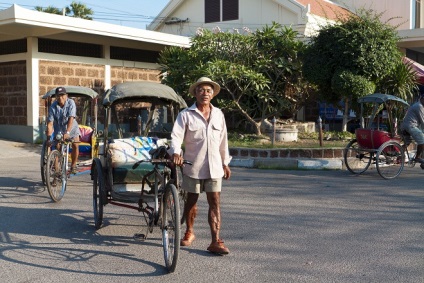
184,17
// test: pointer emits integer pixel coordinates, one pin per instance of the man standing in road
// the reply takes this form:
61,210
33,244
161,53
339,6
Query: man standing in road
203,131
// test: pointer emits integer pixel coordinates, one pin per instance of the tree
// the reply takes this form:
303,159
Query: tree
356,57
79,10
260,73
76,10
49,9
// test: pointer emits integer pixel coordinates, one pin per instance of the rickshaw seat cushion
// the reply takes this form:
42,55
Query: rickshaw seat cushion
370,138
84,149
124,153
85,133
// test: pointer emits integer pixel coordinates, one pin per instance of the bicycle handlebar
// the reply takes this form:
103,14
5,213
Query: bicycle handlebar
60,138
158,161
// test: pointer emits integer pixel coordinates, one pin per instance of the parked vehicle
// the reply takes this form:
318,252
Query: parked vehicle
133,169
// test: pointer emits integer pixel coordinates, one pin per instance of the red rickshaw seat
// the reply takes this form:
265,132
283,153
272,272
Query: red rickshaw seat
371,138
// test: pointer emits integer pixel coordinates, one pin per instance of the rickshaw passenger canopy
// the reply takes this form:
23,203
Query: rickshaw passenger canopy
381,98
74,91
143,89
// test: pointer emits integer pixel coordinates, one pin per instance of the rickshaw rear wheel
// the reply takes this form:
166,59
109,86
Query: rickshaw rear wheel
56,177
390,160
171,227
356,160
98,192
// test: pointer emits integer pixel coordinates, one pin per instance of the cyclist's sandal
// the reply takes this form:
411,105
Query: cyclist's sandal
218,248
419,160
74,170
188,239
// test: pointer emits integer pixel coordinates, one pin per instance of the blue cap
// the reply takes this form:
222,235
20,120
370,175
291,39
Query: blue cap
60,90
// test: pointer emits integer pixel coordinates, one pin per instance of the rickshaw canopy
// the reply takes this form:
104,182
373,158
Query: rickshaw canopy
381,98
142,89
74,91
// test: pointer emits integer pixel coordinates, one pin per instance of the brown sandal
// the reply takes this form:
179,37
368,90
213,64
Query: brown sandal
188,239
218,248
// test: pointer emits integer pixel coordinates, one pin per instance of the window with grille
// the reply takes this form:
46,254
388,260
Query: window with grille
69,48
131,54
214,13
230,10
13,46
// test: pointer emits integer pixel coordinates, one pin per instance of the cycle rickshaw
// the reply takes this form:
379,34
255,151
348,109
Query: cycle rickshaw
378,142
53,162
133,169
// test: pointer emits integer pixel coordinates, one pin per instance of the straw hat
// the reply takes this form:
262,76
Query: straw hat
204,80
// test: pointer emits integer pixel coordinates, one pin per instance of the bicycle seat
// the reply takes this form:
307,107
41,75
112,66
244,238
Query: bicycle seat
159,153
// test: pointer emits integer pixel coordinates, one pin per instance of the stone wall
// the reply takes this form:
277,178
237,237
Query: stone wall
13,90
125,74
287,153
55,73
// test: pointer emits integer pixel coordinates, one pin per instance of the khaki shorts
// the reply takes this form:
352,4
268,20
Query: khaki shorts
199,186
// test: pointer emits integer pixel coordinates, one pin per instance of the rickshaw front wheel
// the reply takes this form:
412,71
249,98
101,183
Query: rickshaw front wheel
56,177
171,226
99,196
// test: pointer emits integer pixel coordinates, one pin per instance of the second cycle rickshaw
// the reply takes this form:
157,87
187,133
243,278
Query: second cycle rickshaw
54,163
378,141
133,169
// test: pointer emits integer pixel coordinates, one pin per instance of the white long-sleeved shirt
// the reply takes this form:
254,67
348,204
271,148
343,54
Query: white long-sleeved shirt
206,143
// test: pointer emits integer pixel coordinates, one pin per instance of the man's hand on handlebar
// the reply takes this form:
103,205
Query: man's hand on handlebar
177,159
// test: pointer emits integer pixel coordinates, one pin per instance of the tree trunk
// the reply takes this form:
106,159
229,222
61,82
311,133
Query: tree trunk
256,126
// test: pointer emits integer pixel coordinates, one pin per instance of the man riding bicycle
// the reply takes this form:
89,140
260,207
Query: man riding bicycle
413,124
62,114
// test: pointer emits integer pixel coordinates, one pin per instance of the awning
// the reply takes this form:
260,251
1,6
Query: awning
417,67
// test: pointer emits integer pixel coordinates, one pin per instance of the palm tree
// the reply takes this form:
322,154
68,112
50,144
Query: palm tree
49,9
76,10
79,10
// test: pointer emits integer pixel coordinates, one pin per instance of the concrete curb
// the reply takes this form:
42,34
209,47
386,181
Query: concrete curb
288,163
12,149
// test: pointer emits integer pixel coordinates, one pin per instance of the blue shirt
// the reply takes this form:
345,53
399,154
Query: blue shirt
60,116
414,117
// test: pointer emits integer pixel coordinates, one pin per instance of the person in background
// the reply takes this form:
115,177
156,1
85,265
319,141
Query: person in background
203,131
61,118
413,124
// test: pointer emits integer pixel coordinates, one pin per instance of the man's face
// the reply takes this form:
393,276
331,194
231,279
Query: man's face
61,98
204,94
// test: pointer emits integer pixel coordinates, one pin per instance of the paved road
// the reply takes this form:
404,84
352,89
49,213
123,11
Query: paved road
281,226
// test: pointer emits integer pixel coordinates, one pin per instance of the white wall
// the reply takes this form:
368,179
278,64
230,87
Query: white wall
390,9
253,14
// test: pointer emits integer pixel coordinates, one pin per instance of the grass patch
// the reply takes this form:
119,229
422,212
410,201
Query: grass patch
305,140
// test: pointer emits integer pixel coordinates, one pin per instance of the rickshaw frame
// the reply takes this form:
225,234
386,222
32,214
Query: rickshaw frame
117,181
374,144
